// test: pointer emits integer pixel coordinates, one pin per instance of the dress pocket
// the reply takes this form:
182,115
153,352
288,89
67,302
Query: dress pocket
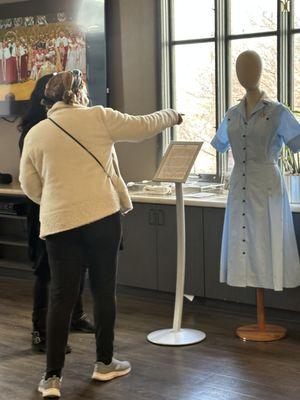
274,181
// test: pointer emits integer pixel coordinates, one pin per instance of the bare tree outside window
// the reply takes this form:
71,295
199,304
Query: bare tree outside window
296,4
193,19
296,72
195,97
296,61
194,77
255,16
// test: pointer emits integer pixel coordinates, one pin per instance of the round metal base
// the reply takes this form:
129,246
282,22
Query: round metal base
168,337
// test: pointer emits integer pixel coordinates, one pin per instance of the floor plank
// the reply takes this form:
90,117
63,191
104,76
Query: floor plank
220,368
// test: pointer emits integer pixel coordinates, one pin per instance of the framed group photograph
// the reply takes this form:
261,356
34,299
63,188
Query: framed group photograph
34,46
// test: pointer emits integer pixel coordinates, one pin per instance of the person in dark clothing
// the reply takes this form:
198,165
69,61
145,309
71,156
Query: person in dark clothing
37,247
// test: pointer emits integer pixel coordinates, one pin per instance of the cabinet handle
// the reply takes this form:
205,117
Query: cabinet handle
161,218
151,217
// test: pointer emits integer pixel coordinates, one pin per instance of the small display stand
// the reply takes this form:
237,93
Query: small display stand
261,332
175,167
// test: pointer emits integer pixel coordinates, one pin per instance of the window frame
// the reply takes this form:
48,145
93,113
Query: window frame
291,34
222,39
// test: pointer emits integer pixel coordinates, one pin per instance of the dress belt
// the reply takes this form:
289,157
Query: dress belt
252,162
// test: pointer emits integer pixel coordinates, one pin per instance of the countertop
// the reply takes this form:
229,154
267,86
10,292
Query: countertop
11,190
209,200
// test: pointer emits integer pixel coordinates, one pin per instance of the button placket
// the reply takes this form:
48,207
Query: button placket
244,188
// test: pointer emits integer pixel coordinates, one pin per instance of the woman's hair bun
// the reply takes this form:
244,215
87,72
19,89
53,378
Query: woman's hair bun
69,97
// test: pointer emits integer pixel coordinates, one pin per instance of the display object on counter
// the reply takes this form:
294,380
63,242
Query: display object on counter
5,179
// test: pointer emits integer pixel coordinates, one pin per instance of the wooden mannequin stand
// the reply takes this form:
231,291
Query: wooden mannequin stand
261,332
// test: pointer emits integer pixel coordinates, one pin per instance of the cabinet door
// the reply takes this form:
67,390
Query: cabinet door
288,299
195,250
138,260
213,228
167,250
14,260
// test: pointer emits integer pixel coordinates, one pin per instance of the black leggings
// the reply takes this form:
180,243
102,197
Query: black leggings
40,303
39,257
95,245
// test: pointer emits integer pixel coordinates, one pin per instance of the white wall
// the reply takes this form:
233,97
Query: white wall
9,150
132,32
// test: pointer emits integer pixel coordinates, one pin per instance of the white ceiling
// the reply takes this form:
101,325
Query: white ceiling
10,1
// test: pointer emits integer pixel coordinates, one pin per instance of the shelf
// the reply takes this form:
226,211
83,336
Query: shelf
17,265
13,241
12,216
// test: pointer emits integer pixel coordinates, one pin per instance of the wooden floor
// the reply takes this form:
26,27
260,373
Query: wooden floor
222,367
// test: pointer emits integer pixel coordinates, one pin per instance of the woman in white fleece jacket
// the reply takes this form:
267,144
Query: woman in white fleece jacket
70,168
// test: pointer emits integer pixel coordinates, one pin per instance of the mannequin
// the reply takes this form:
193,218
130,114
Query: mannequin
259,246
248,70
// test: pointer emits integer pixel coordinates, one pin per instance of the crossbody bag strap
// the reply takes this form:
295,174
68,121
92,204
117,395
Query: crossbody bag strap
81,145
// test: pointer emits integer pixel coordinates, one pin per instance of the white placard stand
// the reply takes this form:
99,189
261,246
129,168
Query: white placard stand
178,336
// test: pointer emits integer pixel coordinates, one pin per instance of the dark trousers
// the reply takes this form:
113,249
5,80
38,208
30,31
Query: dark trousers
95,245
39,257
40,303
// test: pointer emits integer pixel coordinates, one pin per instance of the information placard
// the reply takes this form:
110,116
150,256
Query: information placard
177,162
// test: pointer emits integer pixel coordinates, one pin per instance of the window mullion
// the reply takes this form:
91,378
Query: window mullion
283,55
166,69
291,36
221,68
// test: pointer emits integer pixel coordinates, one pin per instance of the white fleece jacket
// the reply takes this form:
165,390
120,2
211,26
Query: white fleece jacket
55,172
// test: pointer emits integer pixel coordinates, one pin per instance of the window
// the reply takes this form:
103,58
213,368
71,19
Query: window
194,95
255,16
295,95
194,78
202,43
246,19
193,19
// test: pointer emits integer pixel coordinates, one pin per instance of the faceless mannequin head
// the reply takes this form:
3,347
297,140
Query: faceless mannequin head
248,69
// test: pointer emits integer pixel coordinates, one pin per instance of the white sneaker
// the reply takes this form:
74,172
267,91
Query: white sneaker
50,388
116,368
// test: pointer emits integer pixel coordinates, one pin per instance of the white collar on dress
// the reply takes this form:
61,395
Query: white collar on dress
262,102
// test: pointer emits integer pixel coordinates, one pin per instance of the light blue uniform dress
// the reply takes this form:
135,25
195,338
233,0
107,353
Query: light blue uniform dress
259,245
